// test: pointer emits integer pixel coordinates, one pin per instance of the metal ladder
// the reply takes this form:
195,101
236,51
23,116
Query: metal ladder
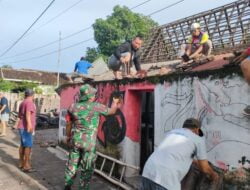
109,175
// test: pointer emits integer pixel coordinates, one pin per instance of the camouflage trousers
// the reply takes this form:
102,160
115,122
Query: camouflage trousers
78,158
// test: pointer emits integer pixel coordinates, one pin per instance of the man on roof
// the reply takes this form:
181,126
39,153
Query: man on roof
80,70
244,60
198,44
126,56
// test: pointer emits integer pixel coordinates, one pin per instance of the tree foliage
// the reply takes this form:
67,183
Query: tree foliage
6,86
22,86
92,54
9,86
122,25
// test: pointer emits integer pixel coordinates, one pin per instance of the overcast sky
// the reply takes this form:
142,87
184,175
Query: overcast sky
17,15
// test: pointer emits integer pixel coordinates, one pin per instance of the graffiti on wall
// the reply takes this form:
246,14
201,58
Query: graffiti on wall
218,104
112,128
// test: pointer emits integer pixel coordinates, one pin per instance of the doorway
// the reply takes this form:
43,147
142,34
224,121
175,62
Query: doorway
147,127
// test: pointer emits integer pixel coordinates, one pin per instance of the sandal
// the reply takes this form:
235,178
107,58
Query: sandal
30,170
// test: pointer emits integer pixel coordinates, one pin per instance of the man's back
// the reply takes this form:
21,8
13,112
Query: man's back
172,159
85,116
25,106
82,67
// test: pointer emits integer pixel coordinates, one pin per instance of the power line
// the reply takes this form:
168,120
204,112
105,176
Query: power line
46,45
55,17
79,43
144,2
164,8
50,53
27,29
69,36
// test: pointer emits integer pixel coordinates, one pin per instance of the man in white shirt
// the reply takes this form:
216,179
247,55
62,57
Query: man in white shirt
171,161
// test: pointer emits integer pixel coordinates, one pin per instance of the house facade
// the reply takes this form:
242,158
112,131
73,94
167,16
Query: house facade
213,92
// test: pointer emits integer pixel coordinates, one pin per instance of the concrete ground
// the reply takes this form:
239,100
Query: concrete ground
48,161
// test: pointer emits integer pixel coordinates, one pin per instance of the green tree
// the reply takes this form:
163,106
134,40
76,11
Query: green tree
22,86
122,25
92,54
6,86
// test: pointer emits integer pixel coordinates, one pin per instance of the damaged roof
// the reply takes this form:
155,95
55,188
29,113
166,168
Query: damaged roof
175,66
161,48
220,64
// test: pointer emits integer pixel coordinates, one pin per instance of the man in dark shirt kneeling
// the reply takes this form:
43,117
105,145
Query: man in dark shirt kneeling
126,54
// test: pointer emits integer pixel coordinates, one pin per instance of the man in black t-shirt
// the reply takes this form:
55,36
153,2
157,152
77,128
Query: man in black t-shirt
126,55
4,113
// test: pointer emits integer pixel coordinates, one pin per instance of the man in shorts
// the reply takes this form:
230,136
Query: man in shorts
198,44
26,126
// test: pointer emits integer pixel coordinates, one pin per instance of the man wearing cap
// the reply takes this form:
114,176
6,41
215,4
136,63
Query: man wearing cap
171,161
26,125
83,120
197,44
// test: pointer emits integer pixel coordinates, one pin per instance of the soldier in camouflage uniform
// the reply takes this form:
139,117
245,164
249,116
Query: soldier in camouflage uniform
84,119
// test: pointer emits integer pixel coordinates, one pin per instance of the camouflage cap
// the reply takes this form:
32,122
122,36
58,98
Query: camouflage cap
87,91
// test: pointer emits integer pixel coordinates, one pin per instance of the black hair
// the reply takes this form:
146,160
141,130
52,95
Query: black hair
191,123
138,36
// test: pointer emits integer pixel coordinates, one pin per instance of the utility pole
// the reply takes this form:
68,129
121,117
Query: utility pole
58,60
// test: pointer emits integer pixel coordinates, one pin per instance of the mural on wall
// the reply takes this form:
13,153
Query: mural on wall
112,128
219,105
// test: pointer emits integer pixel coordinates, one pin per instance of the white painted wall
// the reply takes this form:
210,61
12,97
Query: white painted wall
219,104
130,154
62,126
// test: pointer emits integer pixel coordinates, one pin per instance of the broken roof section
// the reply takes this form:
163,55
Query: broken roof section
175,67
228,27
98,67
41,77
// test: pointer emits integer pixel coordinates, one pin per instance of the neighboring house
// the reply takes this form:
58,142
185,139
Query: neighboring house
214,92
47,81
41,77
